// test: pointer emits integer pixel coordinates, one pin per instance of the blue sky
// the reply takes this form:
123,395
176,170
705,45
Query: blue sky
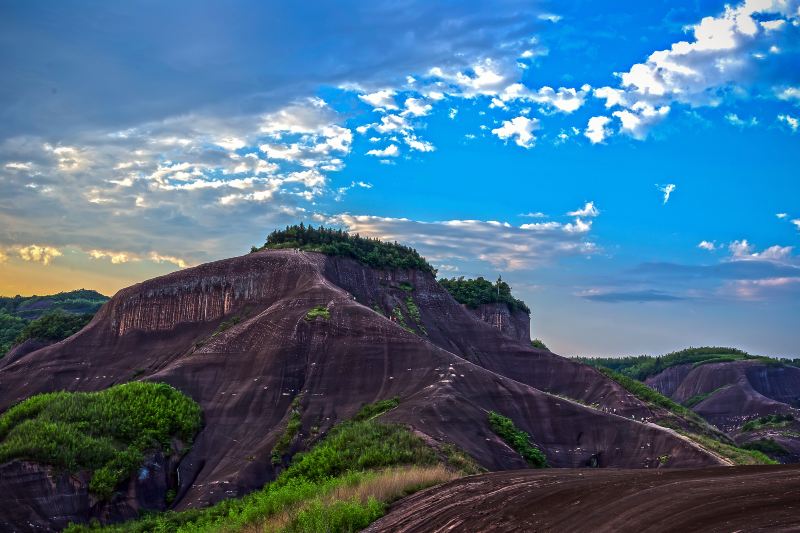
537,140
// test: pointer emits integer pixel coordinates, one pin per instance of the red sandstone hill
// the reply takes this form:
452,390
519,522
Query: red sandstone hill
447,364
733,393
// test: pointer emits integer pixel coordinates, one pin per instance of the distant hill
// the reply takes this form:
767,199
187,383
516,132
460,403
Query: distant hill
49,317
755,400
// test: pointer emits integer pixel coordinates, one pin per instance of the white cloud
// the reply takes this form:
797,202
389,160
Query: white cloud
15,165
549,17
389,151
796,222
579,226
667,190
707,245
789,93
177,261
596,130
520,129
381,100
38,254
792,122
342,191
734,119
743,251
417,107
637,120
781,215
533,214
456,242
116,258
416,144
588,210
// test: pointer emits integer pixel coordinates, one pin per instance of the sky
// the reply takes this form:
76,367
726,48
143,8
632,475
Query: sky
630,168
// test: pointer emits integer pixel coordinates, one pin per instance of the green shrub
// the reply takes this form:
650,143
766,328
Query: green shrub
517,439
319,311
413,310
474,292
373,252
10,328
697,398
766,446
768,421
537,343
343,458
406,286
107,432
372,410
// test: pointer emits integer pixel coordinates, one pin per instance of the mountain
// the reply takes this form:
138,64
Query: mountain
259,339
19,312
754,400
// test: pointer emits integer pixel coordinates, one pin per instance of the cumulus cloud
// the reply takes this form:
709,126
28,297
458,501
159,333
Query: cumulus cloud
520,129
38,254
796,222
724,52
381,100
744,251
452,242
177,261
792,122
588,210
666,190
116,258
734,119
596,130
389,151
707,245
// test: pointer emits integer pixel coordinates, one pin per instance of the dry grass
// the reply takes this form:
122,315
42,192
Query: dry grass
384,486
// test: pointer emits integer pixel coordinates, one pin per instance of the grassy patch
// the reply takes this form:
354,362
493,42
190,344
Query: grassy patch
319,311
293,426
372,410
735,454
406,286
413,310
768,421
766,446
538,343
697,398
517,439
107,432
341,485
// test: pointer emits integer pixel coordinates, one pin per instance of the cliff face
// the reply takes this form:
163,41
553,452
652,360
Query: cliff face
395,333
516,325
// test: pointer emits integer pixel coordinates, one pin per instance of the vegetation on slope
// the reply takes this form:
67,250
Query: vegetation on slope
768,422
474,292
539,343
19,312
343,484
373,252
687,422
643,366
517,439
109,432
53,326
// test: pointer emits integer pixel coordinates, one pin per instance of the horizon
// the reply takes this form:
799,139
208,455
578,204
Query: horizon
632,174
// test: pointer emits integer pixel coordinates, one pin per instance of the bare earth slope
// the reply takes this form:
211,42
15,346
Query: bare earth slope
742,498
448,367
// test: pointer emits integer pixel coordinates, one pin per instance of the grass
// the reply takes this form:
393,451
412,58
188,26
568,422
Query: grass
319,311
372,410
697,398
766,446
406,286
108,433
768,421
738,456
342,484
293,426
517,439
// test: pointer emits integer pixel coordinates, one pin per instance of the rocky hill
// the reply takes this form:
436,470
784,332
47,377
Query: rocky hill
288,336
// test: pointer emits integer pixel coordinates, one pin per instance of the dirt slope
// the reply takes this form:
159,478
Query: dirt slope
743,498
448,367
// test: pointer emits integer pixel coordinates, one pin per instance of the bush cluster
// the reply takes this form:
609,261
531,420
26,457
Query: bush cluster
373,252
107,432
518,440
474,292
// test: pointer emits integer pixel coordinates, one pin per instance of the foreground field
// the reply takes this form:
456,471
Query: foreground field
742,498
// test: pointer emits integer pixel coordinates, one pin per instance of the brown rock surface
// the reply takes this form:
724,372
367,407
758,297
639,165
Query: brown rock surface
448,368
742,498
